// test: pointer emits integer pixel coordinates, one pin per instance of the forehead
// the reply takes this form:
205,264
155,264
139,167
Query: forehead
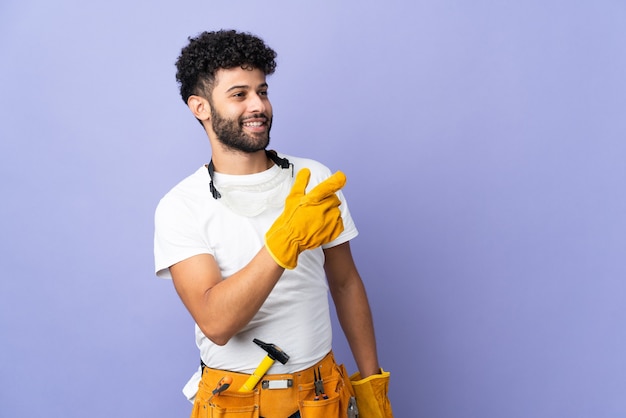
228,78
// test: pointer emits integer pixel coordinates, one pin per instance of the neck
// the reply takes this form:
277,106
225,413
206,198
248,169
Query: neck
240,163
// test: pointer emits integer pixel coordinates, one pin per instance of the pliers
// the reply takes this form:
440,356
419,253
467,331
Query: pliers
319,385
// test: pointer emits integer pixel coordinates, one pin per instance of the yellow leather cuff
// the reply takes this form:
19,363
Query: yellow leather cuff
372,395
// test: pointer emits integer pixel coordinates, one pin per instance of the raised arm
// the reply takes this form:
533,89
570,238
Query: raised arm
223,307
308,221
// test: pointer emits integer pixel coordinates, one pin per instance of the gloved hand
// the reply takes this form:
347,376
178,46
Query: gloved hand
308,220
371,395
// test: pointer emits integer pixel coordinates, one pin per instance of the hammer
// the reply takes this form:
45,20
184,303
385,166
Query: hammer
273,353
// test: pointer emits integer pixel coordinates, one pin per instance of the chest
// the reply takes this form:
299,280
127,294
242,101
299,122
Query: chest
236,239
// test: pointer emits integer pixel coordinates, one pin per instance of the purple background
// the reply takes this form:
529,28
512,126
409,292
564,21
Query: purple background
484,145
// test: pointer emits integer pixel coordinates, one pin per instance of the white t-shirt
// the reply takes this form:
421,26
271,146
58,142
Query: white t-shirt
295,316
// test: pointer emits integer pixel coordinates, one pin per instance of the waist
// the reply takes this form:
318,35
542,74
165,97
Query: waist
305,344
270,381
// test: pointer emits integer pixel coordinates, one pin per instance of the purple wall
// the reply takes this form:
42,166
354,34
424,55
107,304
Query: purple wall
484,144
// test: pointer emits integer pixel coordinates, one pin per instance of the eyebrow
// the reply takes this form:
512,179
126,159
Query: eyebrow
245,87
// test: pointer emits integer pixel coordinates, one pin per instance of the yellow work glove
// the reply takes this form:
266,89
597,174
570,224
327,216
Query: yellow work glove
308,220
371,395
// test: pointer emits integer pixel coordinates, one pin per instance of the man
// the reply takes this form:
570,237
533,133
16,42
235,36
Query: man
252,242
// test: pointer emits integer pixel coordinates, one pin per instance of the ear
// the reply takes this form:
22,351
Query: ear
200,107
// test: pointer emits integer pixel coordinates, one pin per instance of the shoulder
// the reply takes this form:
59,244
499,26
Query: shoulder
319,171
301,162
192,190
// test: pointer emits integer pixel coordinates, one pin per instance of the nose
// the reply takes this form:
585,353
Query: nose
257,103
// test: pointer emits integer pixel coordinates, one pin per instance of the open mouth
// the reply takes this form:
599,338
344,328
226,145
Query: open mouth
255,124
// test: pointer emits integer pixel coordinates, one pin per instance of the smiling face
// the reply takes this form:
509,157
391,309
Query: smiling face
241,113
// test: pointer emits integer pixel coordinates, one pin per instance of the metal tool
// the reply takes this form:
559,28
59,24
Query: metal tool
319,385
274,353
353,410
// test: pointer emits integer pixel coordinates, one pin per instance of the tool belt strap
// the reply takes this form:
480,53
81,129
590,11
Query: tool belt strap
299,378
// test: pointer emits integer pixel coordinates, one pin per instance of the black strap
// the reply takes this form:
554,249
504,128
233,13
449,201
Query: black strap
271,154
214,192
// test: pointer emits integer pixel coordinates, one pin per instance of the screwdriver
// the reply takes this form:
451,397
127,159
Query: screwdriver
221,386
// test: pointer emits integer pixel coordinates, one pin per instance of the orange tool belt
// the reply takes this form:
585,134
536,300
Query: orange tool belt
276,395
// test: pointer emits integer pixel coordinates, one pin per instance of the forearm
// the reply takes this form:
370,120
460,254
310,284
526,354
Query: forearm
355,317
221,308
236,300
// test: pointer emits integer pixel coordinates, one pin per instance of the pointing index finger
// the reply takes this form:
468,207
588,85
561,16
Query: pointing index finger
328,187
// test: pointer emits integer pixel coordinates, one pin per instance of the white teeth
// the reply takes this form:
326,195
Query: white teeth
254,124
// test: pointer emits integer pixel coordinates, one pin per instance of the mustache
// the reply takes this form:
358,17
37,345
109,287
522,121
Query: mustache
255,116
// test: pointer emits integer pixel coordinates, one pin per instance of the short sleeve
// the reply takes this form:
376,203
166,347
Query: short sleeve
177,235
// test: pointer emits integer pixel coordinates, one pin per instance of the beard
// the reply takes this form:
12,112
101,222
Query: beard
230,133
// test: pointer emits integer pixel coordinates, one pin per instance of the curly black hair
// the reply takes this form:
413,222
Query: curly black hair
211,51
